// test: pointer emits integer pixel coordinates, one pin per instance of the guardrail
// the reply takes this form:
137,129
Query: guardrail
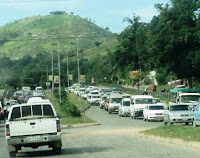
140,91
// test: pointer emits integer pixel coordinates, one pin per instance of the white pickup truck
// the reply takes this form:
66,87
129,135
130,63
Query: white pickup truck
33,125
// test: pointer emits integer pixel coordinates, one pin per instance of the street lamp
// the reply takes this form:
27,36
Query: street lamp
77,40
59,71
52,73
68,68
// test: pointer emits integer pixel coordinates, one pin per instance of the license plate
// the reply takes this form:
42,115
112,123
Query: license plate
36,139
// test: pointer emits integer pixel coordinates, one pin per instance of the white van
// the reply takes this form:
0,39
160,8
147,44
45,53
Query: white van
114,102
138,103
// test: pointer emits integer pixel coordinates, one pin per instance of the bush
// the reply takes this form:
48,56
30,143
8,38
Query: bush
68,108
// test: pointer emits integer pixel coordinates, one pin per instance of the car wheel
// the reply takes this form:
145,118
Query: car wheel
187,123
109,112
57,150
165,123
171,123
12,154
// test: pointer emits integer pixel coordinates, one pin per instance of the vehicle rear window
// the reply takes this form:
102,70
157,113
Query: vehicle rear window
37,110
126,103
47,110
180,108
156,107
16,113
26,111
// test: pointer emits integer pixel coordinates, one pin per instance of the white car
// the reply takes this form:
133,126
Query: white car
124,108
153,112
95,99
178,113
102,102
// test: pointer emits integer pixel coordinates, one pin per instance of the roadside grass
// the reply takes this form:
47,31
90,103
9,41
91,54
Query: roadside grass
186,133
81,104
66,119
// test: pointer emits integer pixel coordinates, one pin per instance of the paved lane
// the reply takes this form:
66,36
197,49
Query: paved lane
115,138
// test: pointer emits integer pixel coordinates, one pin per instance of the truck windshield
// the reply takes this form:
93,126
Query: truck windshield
144,101
180,108
188,98
156,107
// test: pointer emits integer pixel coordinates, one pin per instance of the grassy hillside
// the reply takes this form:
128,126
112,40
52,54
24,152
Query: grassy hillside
33,35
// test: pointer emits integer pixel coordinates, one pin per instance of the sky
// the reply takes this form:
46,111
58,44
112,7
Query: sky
105,13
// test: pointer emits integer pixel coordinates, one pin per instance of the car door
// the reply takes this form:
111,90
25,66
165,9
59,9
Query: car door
145,111
197,114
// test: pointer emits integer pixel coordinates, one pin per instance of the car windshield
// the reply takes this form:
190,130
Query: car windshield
143,101
19,94
116,100
95,96
126,103
179,108
156,107
189,98
126,96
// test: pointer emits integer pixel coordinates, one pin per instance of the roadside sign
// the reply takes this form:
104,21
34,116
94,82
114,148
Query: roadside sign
56,79
70,77
82,78
50,78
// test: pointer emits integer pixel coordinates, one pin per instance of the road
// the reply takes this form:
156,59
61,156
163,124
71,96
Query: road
115,138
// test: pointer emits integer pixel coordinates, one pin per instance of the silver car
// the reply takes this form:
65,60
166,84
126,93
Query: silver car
178,113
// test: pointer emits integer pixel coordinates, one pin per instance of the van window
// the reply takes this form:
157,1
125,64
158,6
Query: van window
144,101
47,110
26,111
15,113
37,110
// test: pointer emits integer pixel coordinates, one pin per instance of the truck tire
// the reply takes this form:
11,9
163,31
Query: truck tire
12,154
57,150
187,123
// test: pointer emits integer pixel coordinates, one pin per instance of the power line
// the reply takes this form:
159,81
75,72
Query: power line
56,38
27,1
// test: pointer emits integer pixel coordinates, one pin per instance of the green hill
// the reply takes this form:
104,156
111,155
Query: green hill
33,35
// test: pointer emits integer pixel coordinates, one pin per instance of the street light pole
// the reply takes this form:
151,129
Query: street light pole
52,73
68,68
59,71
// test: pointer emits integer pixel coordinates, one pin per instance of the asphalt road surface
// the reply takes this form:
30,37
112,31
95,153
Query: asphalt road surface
116,137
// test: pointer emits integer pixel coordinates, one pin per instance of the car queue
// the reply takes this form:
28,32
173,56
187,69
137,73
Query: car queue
147,107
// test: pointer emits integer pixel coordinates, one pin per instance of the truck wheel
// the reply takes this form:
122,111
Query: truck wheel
57,150
12,154
165,123
187,123
109,112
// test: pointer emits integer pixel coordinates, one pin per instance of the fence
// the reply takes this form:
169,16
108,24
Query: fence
140,91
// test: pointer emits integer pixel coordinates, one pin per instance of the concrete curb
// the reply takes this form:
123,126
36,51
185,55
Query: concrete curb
80,125
171,140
